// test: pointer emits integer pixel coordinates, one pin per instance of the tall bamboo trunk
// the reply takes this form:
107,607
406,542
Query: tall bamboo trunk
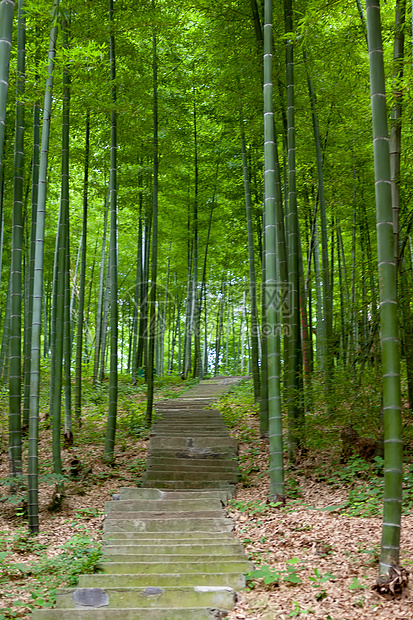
38,291
251,266
154,264
80,321
15,378
327,297
390,546
272,205
113,260
98,328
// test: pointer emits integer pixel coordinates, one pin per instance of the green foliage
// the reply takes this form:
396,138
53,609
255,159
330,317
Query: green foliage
272,576
78,555
253,507
319,578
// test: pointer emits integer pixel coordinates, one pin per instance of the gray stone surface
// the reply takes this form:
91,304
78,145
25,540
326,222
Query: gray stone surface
170,553
91,597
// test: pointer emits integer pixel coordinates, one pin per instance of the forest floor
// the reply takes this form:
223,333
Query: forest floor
318,554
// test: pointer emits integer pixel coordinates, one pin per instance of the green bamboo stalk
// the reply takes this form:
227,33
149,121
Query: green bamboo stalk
6,28
15,376
271,221
79,335
396,119
113,260
295,413
29,306
264,422
62,251
390,545
38,290
154,264
98,328
251,266
327,297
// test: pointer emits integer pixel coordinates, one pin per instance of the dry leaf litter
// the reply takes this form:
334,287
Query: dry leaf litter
342,546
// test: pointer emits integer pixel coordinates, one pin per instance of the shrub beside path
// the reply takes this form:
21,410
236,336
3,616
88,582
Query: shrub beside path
170,552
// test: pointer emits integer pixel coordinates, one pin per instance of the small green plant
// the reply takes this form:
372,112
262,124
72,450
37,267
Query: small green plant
253,507
356,585
298,611
319,578
86,513
271,576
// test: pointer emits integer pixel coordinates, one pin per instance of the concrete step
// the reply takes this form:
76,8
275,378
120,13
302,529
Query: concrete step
148,493
181,485
164,505
212,566
107,580
177,443
183,459
168,525
207,434
150,596
146,515
125,555
208,453
143,613
203,474
224,466
193,537
194,549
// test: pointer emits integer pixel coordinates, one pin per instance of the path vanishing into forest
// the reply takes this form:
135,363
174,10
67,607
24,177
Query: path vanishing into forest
169,548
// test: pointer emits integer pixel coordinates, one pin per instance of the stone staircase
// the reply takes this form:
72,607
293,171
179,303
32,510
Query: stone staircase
169,550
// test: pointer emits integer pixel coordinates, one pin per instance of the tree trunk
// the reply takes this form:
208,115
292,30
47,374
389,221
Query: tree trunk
38,291
113,262
390,546
80,321
270,200
15,378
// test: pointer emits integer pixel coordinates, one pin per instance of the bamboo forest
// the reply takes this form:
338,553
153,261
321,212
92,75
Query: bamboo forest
200,194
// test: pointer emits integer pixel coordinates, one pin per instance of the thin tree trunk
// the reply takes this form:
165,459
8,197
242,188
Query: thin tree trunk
79,335
15,377
101,293
271,180
154,265
113,260
390,545
327,298
251,265
38,291
6,29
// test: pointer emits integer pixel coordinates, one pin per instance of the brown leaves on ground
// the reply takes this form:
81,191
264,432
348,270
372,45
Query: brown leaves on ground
335,556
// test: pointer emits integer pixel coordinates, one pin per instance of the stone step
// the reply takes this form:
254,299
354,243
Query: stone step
181,485
206,434
146,515
211,566
204,415
191,423
124,555
189,466
196,549
150,596
176,443
136,613
168,525
106,580
212,463
148,493
189,453
203,474
193,537
164,505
